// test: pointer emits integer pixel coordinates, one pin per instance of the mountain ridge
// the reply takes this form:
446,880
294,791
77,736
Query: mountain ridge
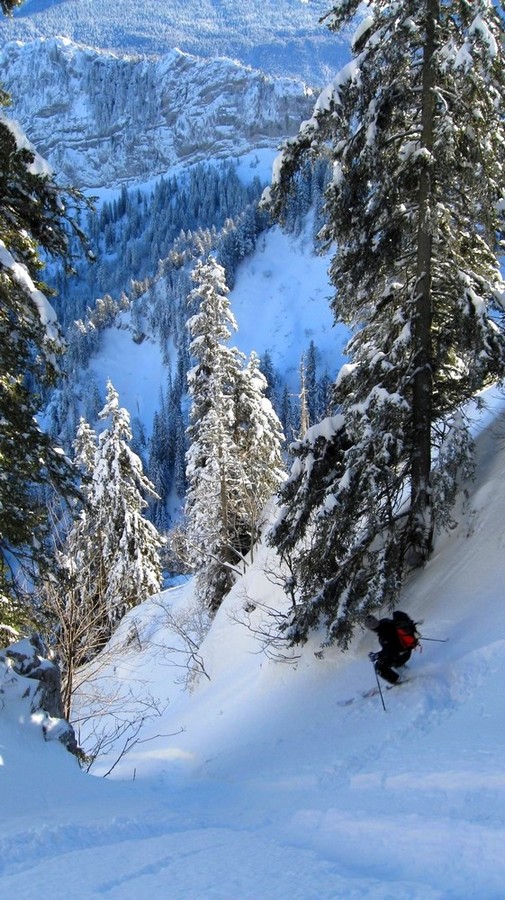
81,109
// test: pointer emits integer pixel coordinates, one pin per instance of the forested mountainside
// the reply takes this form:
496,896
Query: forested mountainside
142,233
104,120
160,143
279,36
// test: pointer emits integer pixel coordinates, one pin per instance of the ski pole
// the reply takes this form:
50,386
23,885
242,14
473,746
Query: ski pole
380,689
438,640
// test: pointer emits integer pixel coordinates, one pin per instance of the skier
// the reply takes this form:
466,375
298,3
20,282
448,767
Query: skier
397,637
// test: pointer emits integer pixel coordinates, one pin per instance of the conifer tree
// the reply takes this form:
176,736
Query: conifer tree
110,558
324,396
35,216
272,378
259,438
129,544
311,382
304,406
71,590
180,481
233,460
158,471
414,129
286,414
213,467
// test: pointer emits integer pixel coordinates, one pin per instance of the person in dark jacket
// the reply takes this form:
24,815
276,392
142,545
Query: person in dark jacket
393,654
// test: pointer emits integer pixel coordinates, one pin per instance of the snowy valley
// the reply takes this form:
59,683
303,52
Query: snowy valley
216,760
262,780
179,170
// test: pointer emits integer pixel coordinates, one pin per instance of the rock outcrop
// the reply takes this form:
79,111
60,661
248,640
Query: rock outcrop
26,673
104,120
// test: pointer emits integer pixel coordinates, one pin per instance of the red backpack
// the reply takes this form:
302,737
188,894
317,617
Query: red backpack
406,631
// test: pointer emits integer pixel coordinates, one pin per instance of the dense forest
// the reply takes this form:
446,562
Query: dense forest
144,248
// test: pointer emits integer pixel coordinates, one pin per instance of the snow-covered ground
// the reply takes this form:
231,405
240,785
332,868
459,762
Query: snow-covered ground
280,302
262,782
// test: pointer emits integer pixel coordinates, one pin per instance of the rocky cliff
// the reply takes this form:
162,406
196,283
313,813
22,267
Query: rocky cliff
102,120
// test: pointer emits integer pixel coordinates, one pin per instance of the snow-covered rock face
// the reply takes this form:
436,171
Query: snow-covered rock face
30,683
101,119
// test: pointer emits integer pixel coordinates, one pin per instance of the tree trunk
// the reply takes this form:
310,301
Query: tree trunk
421,519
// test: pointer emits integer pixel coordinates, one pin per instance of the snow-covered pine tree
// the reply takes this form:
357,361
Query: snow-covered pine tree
415,130
213,465
129,544
304,408
180,483
109,561
35,216
308,389
286,414
72,590
311,382
159,472
268,369
259,438
85,444
324,396
233,461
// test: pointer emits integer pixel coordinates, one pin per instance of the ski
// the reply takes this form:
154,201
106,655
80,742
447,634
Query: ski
372,692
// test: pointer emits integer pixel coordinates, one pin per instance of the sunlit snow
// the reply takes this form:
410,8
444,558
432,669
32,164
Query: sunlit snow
265,780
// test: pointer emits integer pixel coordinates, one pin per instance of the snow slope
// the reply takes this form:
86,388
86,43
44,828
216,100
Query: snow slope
283,285
274,788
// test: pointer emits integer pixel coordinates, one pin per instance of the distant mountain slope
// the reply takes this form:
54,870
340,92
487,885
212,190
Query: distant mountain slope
280,36
104,120
282,284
